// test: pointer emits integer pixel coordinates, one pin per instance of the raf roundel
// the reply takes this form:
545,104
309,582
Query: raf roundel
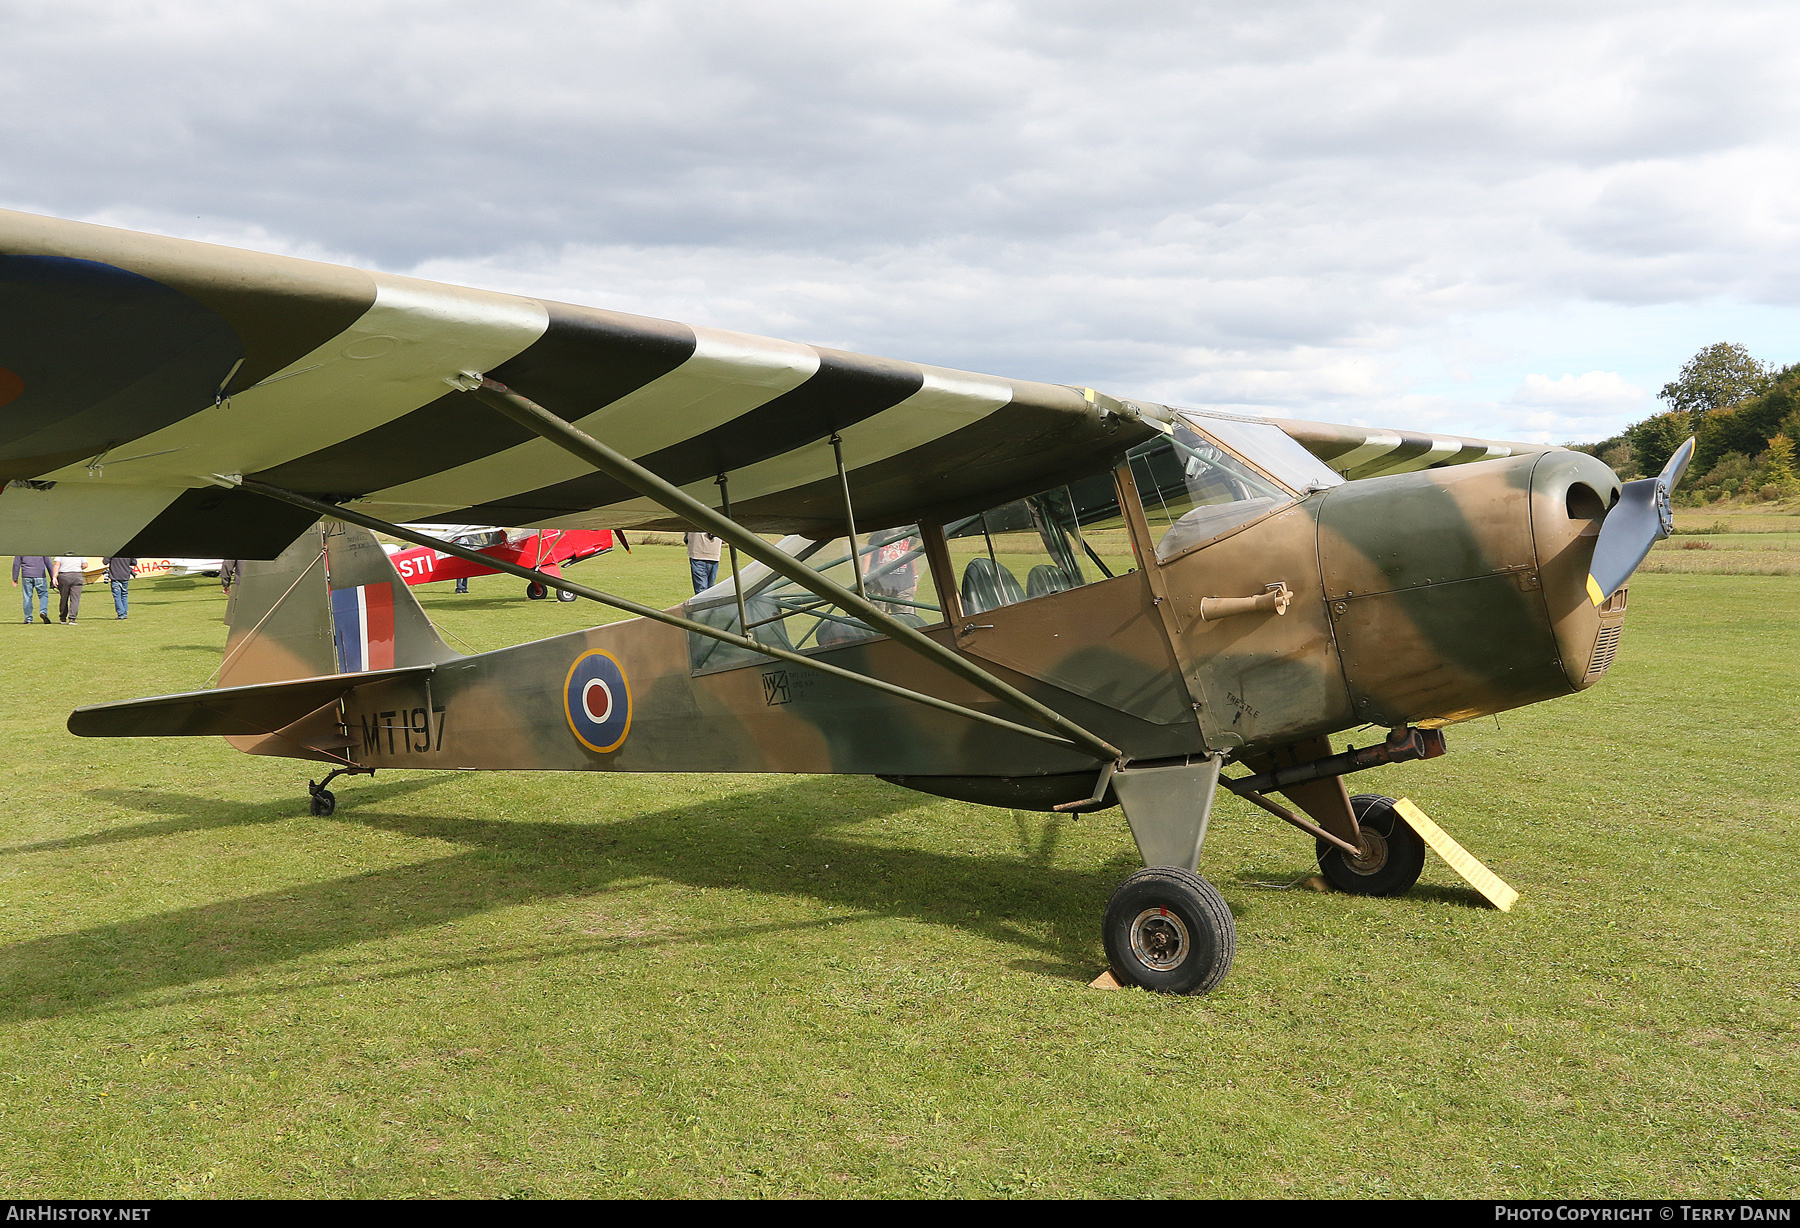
597,700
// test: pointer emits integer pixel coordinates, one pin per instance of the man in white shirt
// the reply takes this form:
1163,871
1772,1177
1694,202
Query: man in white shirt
69,579
703,559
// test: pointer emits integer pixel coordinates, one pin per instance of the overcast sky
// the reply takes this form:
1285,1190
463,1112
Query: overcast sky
1513,219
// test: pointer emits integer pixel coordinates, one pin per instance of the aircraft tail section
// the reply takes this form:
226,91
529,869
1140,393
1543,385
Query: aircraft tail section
331,603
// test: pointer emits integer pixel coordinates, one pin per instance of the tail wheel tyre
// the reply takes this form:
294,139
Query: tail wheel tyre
323,803
1393,853
561,595
1168,930
536,591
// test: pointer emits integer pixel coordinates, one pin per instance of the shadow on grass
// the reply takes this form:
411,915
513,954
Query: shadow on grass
197,814
215,649
777,841
1420,893
1462,897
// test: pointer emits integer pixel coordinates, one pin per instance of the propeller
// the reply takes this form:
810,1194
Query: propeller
1641,518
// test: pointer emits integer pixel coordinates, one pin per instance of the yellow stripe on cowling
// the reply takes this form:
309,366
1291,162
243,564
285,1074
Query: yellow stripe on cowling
1594,593
1457,857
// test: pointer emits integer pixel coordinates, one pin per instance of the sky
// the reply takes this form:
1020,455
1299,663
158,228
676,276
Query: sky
1514,220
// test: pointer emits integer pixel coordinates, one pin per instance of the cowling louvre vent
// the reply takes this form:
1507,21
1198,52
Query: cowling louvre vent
1606,647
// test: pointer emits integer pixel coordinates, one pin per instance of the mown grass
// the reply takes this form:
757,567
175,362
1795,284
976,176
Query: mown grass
532,984
1736,554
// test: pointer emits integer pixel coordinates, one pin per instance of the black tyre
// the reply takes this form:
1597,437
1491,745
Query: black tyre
536,591
1394,854
564,596
324,803
1168,930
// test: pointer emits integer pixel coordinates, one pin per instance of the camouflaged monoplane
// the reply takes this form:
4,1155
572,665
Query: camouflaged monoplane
1012,593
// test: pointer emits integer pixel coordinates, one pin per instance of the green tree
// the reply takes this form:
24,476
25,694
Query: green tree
1654,440
1778,464
1721,374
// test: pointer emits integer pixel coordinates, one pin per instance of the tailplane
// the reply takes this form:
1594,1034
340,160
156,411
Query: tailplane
307,628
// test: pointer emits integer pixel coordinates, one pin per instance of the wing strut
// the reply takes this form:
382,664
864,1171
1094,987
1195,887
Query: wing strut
615,465
375,524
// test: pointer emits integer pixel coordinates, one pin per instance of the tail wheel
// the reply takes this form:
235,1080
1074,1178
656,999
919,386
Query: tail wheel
564,595
1393,854
536,591
1169,930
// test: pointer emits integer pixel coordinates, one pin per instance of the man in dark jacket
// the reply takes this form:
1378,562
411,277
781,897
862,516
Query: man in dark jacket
34,570
119,573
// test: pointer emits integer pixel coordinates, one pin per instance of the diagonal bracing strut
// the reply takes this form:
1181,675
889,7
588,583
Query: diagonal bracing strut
376,524
617,466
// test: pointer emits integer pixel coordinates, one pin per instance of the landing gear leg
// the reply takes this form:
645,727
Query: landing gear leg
322,801
1166,928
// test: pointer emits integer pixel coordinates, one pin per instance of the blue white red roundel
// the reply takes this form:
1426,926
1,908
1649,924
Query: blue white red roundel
598,701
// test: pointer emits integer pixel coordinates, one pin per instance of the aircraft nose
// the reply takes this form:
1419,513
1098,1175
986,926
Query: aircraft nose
1571,493
1435,581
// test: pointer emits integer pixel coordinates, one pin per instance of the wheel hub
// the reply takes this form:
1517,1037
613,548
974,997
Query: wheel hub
1159,939
1374,853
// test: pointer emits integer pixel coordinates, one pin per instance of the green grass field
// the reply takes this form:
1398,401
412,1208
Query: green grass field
1732,542
537,985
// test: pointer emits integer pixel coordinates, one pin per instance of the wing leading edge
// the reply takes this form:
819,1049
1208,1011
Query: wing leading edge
140,374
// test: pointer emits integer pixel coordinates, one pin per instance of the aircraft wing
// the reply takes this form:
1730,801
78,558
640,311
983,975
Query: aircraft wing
1368,452
140,374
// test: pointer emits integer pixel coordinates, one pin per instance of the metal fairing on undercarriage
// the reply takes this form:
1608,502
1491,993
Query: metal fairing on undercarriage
1009,592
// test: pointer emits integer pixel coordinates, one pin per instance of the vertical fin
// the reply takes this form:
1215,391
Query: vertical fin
331,603
280,620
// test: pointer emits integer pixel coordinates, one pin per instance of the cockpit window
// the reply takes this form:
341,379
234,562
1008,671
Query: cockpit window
1049,543
786,615
1193,490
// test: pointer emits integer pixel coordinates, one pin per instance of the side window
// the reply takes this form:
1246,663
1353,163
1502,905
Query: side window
895,575
1049,543
1193,490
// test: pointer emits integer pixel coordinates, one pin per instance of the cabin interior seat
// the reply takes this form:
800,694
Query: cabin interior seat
1047,578
987,585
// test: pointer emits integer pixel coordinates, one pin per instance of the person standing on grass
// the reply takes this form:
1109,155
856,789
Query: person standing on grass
118,574
35,570
703,559
228,571
69,582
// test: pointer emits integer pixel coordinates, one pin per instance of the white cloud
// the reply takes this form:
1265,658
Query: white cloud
1290,207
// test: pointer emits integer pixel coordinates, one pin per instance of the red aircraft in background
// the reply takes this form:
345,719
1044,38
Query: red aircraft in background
548,550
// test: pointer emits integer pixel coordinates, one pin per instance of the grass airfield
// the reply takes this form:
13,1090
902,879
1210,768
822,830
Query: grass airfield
536,985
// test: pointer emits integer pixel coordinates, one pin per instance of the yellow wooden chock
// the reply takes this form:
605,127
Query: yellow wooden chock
1457,857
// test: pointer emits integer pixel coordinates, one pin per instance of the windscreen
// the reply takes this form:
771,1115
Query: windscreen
1193,490
1267,446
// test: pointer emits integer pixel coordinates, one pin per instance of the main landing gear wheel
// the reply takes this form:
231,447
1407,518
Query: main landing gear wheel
1168,930
564,595
1393,853
536,591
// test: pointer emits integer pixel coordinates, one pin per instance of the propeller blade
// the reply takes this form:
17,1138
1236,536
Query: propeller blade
1642,517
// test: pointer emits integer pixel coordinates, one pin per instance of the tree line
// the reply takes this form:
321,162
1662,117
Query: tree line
1745,415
